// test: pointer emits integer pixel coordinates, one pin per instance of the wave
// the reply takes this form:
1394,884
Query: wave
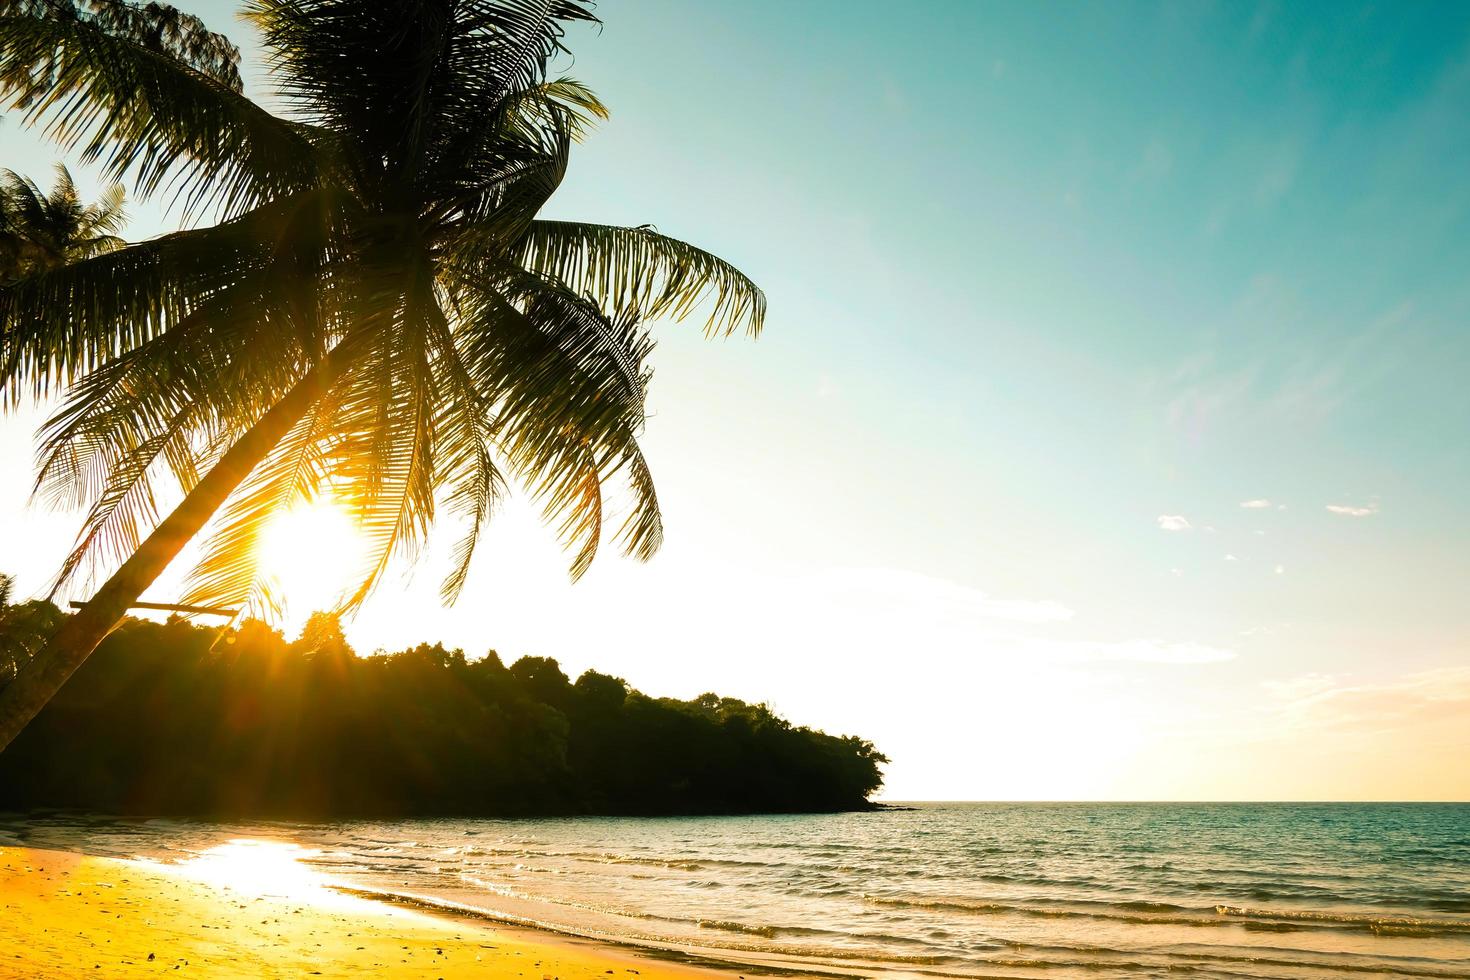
766,931
1405,924
720,925
813,954
595,857
1165,913
1159,913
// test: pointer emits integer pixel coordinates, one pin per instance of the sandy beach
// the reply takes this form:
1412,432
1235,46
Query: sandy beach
69,915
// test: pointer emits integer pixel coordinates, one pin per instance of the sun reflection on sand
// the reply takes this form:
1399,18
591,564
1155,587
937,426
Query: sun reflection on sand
264,868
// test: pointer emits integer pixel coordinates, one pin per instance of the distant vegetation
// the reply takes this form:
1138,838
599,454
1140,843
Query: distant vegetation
175,719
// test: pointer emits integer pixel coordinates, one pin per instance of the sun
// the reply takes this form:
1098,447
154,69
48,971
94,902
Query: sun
311,555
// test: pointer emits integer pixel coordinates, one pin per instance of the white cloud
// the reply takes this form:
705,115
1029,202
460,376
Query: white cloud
1259,504
1348,510
1173,522
1231,558
1318,701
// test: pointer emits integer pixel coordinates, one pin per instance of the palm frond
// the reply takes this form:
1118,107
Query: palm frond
25,202
567,390
228,571
155,26
169,31
61,324
141,112
465,432
202,362
637,271
642,531
545,105
108,216
126,507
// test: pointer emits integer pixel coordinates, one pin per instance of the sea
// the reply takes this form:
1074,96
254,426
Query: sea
1218,890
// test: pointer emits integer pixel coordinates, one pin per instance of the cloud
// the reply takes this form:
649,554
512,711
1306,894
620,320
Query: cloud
1259,504
1332,703
1231,558
1269,389
1173,522
1348,510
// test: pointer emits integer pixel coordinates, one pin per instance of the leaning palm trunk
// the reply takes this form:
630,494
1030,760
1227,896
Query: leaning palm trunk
41,677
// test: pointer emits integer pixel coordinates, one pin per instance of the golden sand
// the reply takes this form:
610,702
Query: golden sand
71,915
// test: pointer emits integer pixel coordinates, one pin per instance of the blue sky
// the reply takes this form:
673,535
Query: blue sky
1045,280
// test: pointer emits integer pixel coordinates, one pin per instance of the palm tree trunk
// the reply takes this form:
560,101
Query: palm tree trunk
41,677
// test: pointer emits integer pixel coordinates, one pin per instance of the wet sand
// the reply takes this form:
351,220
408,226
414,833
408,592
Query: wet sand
71,915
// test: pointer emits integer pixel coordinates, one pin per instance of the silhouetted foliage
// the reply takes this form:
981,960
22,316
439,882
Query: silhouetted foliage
40,231
24,627
178,719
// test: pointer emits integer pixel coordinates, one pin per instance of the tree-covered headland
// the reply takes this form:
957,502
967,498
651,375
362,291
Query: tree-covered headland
177,719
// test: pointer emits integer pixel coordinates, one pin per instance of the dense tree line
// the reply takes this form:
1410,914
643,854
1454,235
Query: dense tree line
172,718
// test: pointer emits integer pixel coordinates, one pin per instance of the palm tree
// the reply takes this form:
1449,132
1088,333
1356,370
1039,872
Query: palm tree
40,231
372,308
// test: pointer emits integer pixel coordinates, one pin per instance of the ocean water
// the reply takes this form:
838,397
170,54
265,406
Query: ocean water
963,890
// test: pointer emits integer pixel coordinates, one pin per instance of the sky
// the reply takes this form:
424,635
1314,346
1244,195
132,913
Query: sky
1108,435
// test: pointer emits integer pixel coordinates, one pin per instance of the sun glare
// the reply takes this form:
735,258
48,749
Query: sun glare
255,867
312,555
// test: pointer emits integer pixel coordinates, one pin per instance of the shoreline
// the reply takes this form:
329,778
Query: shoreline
706,958
66,914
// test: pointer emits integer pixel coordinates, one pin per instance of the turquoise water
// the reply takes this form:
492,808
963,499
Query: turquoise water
1021,890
